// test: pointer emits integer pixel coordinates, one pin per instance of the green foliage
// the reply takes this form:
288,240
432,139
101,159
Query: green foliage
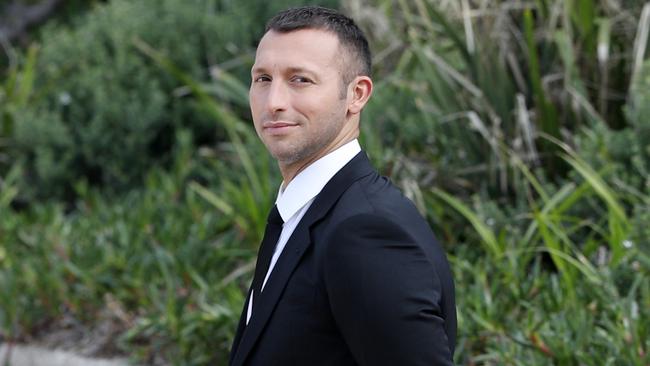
173,268
16,92
472,79
638,110
551,262
624,156
514,310
523,315
627,149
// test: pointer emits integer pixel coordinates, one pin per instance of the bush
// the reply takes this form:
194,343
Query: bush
104,113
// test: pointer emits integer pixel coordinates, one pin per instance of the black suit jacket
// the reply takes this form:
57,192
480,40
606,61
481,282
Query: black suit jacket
361,281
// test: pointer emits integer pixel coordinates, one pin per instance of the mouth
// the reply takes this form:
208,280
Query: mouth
278,127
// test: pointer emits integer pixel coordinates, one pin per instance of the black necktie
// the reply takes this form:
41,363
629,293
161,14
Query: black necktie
271,235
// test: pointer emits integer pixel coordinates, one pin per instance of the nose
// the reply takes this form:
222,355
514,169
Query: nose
277,98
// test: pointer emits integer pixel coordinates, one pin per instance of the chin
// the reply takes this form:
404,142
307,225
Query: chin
286,157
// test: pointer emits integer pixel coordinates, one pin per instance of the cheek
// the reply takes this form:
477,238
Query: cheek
256,102
316,105
253,100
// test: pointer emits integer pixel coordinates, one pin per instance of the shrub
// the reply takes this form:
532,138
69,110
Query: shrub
102,109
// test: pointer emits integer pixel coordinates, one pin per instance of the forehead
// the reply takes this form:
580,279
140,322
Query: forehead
304,48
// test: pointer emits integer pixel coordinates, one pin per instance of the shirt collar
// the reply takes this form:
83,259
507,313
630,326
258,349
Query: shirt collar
309,182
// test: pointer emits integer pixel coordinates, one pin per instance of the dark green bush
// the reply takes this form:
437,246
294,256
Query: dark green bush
104,113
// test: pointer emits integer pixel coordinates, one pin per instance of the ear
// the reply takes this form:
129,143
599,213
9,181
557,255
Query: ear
359,91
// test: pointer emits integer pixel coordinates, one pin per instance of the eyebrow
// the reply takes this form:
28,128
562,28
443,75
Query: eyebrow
291,70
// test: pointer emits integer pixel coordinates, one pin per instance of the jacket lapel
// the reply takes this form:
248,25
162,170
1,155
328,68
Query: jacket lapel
298,243
241,327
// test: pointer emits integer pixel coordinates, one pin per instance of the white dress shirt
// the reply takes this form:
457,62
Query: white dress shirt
294,201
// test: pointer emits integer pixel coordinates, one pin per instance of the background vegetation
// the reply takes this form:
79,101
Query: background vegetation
133,190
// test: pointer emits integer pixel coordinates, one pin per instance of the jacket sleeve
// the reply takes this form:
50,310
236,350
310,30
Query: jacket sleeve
384,294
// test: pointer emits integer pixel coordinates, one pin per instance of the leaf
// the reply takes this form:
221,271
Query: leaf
487,236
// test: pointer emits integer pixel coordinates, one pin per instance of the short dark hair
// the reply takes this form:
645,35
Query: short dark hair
317,17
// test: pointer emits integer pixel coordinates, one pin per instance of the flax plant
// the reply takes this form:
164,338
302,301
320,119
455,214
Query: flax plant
586,311
480,73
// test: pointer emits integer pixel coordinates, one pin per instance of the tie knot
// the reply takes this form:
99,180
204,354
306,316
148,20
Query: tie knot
274,216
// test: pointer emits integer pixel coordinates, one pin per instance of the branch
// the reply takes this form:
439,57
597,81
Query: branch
18,17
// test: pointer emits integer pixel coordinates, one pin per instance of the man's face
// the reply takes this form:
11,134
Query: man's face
298,107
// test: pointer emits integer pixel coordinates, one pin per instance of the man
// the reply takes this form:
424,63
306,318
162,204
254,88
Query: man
348,273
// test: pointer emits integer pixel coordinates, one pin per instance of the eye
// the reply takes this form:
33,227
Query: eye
301,80
261,78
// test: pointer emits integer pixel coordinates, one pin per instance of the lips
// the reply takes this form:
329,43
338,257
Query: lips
278,127
278,124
